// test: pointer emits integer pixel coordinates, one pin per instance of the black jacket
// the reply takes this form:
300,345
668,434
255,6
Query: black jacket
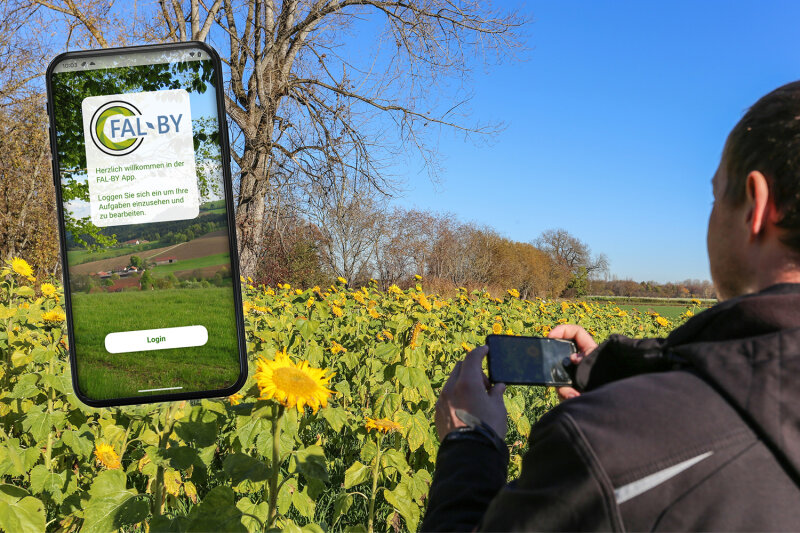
698,431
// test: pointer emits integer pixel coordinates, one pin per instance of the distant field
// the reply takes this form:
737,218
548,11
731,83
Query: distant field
671,312
212,243
192,264
670,308
651,300
104,375
78,257
213,211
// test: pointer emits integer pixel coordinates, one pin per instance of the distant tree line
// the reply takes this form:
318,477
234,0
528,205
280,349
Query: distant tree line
360,240
171,231
690,288
195,280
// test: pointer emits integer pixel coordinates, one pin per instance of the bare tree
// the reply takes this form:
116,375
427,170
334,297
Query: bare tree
27,200
22,54
570,252
404,244
349,221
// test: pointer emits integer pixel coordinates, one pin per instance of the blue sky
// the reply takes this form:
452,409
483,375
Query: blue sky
615,124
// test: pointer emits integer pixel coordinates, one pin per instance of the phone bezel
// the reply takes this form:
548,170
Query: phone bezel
545,383
228,187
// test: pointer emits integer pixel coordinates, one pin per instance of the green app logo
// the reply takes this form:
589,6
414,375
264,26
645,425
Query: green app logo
111,111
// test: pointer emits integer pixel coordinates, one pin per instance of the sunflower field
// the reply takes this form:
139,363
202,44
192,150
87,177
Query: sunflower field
333,432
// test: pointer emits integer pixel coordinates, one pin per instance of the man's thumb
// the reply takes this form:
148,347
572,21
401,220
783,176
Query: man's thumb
498,390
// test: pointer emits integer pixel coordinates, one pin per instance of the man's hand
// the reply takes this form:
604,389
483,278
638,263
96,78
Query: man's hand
469,389
582,340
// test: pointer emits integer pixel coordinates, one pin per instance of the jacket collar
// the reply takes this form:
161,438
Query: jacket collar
773,309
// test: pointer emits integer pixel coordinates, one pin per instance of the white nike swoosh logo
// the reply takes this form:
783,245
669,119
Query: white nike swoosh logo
631,490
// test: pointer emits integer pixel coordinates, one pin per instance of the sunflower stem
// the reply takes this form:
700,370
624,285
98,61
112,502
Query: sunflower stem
375,471
48,456
159,494
7,375
277,417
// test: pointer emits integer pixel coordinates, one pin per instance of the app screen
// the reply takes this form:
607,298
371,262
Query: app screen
148,254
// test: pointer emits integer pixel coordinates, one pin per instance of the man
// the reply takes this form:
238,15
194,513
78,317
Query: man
698,431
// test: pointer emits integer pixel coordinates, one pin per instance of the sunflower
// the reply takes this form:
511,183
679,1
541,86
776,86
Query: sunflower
423,301
497,328
418,328
336,310
53,316
513,292
48,289
106,456
336,348
662,321
341,280
292,385
21,267
235,399
383,425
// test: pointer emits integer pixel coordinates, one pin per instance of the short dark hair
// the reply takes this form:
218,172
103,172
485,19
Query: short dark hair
767,139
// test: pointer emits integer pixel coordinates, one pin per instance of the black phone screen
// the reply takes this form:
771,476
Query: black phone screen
141,167
528,360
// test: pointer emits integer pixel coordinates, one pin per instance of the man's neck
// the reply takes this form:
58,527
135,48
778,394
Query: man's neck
776,271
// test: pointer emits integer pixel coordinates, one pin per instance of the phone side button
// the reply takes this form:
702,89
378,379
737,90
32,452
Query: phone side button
156,339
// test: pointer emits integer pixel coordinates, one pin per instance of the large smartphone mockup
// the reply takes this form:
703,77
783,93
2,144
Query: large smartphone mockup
142,174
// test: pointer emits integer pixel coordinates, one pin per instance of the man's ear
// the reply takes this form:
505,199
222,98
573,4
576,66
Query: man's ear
761,210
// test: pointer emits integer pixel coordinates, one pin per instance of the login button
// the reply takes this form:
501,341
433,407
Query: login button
156,339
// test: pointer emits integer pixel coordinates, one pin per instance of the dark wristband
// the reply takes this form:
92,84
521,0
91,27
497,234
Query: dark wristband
480,432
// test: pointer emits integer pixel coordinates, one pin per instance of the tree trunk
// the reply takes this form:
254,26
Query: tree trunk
251,208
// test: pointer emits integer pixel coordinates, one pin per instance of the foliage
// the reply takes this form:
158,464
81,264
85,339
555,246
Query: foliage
362,461
27,198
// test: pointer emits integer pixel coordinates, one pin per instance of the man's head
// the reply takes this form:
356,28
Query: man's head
754,229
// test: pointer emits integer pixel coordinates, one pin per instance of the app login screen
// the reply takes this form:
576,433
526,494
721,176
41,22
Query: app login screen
148,254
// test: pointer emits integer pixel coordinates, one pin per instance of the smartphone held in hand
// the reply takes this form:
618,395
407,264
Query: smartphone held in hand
142,176
517,360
